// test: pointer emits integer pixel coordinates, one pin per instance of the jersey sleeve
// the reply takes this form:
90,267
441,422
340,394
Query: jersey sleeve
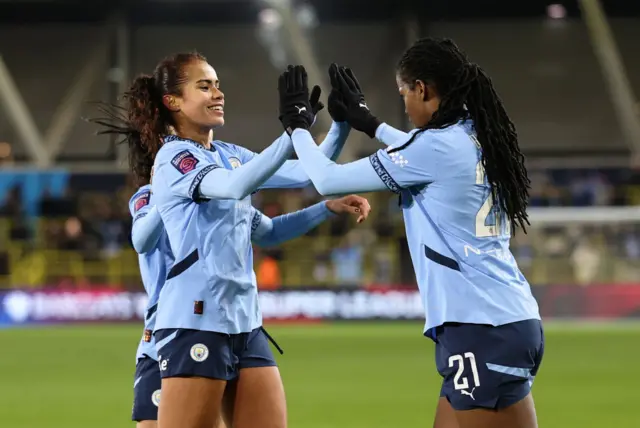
289,176
182,167
147,225
389,135
378,172
245,155
139,202
292,174
406,163
268,232
240,182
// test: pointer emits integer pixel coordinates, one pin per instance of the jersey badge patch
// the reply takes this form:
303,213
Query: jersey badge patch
184,162
234,162
141,201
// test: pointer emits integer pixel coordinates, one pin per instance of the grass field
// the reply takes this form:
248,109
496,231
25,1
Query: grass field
337,375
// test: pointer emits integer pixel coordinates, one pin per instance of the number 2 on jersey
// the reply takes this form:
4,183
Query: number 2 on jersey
484,230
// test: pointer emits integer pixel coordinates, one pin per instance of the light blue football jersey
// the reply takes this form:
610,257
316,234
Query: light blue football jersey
154,265
212,286
458,240
214,236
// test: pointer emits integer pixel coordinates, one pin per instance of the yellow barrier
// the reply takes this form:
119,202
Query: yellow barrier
555,255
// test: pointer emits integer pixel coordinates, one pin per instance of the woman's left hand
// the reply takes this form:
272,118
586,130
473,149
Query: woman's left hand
351,204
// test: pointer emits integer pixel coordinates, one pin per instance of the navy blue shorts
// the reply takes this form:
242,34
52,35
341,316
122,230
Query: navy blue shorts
488,367
186,353
146,390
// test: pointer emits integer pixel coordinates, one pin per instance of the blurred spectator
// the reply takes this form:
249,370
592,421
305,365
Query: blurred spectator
14,212
586,262
72,239
631,243
382,266
322,269
267,271
113,233
590,188
347,260
6,154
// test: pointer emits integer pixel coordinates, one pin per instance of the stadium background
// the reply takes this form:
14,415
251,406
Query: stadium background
342,300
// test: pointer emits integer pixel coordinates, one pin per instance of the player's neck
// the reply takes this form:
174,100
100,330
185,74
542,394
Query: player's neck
200,136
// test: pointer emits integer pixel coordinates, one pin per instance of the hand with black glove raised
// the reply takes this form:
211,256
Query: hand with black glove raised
314,101
347,103
337,106
296,110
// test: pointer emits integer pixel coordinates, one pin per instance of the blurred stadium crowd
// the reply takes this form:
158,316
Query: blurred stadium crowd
82,237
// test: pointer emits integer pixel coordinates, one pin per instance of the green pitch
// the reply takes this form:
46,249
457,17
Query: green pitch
337,375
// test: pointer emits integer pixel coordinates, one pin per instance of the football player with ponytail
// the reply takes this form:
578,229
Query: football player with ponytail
213,353
463,187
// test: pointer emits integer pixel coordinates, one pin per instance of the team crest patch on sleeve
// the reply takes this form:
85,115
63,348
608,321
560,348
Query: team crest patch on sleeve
184,162
141,201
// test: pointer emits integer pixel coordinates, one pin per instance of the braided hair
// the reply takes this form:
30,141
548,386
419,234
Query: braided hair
466,92
145,120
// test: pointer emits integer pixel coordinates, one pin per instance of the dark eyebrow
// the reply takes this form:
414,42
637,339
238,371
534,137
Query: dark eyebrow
207,81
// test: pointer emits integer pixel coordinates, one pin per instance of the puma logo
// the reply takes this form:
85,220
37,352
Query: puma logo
470,394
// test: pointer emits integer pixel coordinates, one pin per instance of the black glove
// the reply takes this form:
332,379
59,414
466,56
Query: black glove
337,106
314,100
316,104
295,108
350,105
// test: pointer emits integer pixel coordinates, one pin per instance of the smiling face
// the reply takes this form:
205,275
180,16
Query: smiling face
201,102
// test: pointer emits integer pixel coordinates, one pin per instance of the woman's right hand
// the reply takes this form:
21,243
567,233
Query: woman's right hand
347,102
295,107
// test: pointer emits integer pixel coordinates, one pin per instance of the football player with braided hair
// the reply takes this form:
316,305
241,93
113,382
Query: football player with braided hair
463,188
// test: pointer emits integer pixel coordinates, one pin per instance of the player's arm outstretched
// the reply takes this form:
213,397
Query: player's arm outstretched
268,232
147,225
191,175
291,174
390,169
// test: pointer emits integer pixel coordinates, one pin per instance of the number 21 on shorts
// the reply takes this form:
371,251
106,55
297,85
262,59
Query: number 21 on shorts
462,382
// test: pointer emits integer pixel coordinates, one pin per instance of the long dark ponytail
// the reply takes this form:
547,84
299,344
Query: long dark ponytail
466,91
144,120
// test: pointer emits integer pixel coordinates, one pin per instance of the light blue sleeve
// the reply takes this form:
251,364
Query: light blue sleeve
181,167
381,171
389,135
405,164
147,226
268,232
204,179
292,175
